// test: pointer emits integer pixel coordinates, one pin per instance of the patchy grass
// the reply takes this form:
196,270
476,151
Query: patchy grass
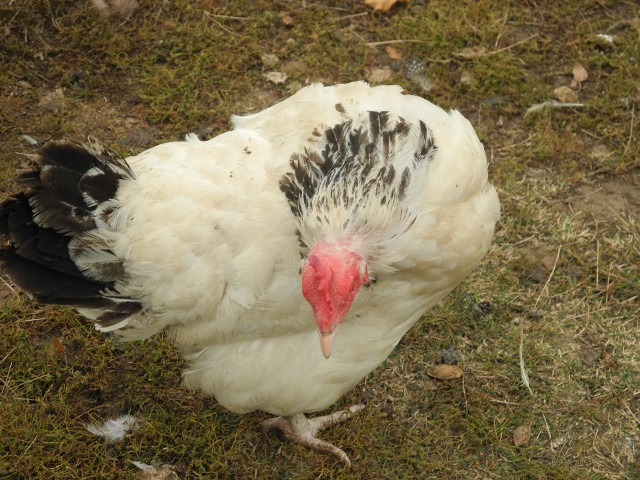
563,271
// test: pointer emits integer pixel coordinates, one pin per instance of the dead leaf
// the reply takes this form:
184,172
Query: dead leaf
521,435
579,75
393,53
472,52
382,5
565,94
276,77
57,346
288,20
378,75
445,372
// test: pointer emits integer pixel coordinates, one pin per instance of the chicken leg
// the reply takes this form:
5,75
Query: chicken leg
302,430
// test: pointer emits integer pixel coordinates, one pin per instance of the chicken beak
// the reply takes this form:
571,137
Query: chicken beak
326,342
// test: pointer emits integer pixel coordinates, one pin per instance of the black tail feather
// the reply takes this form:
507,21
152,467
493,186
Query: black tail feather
46,284
37,225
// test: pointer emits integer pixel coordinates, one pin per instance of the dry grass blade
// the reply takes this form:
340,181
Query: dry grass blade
567,175
631,126
8,286
392,42
553,270
479,52
523,371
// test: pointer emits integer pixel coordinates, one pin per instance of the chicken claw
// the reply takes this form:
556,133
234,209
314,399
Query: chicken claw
302,430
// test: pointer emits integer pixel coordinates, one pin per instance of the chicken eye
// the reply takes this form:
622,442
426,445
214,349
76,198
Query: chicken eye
371,280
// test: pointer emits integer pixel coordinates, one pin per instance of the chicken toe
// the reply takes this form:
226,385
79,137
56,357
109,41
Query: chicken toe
302,430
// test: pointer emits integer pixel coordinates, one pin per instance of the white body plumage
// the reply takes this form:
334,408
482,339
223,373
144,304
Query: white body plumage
212,249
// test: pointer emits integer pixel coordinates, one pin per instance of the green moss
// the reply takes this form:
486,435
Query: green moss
175,67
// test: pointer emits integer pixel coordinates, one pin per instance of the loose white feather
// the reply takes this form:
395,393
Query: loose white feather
115,429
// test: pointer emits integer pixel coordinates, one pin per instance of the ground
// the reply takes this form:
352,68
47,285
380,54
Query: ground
556,297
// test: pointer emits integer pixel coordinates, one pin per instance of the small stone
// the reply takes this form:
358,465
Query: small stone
565,94
276,77
600,152
378,75
467,79
534,314
53,101
288,20
521,435
269,59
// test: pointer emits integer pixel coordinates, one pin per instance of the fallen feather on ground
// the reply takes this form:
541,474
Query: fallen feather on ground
30,140
115,429
606,37
550,104
416,72
155,472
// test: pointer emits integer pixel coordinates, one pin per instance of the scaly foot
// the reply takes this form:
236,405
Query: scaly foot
302,430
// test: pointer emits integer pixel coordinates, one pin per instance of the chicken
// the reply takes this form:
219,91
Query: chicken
285,258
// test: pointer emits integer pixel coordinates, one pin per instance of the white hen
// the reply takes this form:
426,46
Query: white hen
341,214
